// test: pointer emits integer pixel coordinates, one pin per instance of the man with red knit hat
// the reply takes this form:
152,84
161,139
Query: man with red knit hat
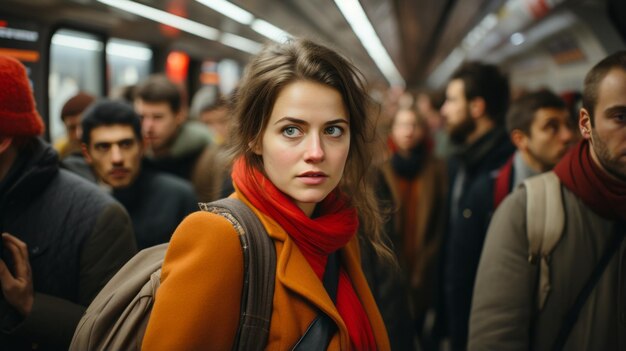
583,306
62,238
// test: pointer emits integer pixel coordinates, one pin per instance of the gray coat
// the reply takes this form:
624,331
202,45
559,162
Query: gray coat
504,313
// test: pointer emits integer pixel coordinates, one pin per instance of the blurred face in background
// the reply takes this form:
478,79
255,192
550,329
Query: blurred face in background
306,142
159,123
550,138
218,121
73,128
406,132
456,113
114,154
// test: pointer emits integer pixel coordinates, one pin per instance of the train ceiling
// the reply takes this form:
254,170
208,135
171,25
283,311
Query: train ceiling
417,34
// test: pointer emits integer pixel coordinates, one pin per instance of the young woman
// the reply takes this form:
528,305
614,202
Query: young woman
302,143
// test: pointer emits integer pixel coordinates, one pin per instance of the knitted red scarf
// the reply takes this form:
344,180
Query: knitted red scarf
332,228
587,180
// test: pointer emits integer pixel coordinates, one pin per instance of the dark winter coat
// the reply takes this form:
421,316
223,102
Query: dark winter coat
466,231
77,238
157,202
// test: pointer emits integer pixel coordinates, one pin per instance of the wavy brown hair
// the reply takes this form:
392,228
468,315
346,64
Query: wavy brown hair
279,65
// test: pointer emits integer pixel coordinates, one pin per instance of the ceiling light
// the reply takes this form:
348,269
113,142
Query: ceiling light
167,18
242,16
356,17
269,30
240,43
195,28
517,39
230,10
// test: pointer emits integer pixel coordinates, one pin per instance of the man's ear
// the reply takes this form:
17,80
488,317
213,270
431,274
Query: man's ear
5,143
83,149
519,139
584,123
477,107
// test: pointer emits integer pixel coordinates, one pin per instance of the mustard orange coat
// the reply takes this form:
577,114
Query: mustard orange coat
197,305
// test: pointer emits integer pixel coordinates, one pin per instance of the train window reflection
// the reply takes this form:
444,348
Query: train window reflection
128,62
75,65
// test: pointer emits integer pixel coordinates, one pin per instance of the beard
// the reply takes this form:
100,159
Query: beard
460,132
611,163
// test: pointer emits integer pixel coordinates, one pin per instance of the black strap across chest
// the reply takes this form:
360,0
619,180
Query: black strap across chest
321,330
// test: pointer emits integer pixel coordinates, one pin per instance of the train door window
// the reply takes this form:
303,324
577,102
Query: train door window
128,62
75,65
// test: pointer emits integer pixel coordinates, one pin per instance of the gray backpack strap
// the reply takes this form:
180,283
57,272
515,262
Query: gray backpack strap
545,220
259,272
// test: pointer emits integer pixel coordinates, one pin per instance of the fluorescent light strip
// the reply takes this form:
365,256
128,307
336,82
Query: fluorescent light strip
229,10
444,70
269,30
151,13
77,42
129,51
184,24
242,16
240,43
356,17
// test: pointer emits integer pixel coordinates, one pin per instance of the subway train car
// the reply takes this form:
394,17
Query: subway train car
101,45
105,47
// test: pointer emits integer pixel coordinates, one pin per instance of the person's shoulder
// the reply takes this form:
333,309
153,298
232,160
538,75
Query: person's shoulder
77,164
166,181
76,188
196,133
83,204
207,232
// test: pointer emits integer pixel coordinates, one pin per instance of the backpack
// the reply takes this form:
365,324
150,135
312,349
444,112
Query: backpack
544,205
118,316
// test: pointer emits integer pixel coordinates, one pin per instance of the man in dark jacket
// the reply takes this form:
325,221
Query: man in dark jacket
63,238
112,145
476,100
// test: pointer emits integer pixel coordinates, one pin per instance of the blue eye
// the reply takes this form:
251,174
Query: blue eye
334,131
291,132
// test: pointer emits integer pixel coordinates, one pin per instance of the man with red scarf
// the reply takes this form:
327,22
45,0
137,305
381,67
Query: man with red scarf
593,178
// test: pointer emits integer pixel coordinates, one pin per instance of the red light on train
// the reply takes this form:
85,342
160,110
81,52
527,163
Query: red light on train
176,66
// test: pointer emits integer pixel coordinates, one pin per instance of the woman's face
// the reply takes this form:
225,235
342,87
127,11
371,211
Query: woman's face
305,144
406,131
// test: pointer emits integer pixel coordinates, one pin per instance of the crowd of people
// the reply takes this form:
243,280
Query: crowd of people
418,206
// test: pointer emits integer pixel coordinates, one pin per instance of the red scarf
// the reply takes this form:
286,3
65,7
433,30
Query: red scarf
502,184
334,226
587,180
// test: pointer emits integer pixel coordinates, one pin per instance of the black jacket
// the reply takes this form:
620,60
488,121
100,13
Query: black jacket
77,238
157,202
466,230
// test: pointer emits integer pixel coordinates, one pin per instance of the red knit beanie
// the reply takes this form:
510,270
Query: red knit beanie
18,116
